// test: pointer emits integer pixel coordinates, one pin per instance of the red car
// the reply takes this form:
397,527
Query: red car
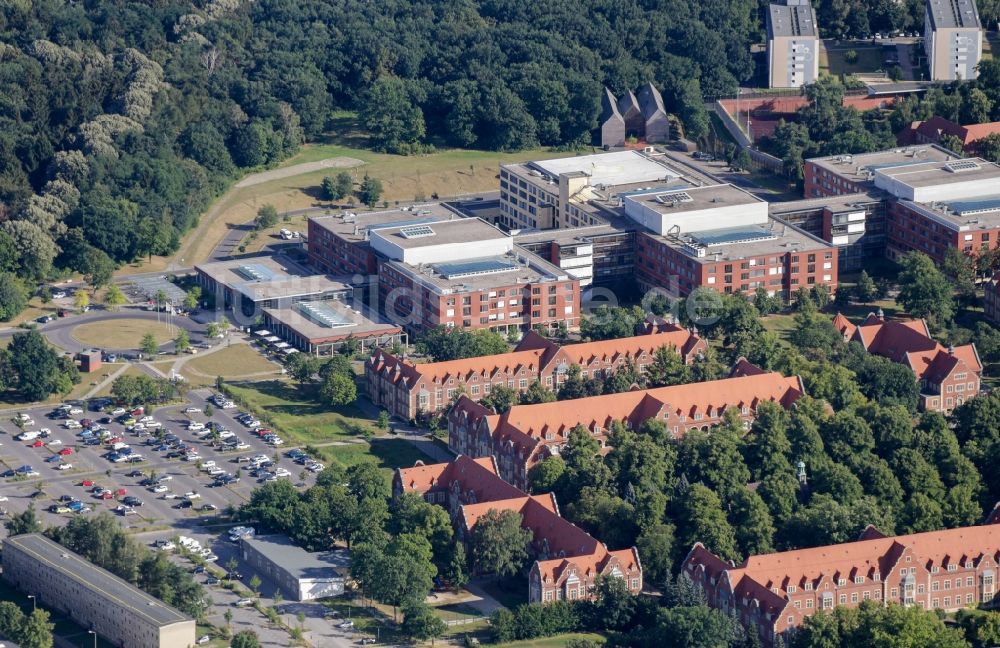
139,411
121,492
87,483
66,451
38,444
113,440
106,495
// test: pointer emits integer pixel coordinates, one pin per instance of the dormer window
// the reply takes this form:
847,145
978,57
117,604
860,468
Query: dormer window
968,564
935,569
841,582
808,586
859,580
952,567
877,577
791,589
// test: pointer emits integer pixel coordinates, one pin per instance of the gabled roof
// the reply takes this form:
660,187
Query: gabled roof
628,105
650,101
565,542
609,106
688,399
631,347
476,476
909,342
430,372
873,554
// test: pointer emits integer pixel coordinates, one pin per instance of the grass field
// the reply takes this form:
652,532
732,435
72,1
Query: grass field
870,59
123,333
235,361
295,412
446,172
133,370
387,454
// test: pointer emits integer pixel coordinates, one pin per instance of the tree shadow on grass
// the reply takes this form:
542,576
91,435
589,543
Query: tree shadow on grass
293,400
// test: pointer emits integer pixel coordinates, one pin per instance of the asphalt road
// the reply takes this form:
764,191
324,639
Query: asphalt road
60,331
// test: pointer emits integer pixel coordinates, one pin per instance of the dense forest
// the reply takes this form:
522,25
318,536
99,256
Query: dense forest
119,121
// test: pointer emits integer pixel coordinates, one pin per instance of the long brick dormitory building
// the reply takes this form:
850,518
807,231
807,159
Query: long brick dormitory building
527,434
568,558
775,593
407,390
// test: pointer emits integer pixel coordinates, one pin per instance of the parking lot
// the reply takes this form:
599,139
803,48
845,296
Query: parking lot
45,484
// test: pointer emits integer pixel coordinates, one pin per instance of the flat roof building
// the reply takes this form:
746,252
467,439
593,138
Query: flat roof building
321,327
549,194
837,175
340,243
792,44
301,575
471,276
93,597
252,283
953,39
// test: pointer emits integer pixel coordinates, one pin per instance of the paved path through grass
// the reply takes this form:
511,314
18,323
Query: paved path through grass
340,162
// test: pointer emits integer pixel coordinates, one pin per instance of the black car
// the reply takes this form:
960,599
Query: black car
200,569
135,473
132,501
65,498
183,504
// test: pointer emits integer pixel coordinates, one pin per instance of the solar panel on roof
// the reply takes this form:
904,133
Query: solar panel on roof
418,231
970,207
675,197
729,236
257,272
471,268
962,165
324,314
402,223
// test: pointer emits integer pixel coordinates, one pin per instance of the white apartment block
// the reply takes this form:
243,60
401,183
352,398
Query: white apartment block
953,39
792,44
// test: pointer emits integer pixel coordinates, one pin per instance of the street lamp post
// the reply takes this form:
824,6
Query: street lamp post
95,637
34,603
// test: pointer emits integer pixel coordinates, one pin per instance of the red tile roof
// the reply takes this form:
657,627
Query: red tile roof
689,399
539,513
476,476
909,342
937,127
875,553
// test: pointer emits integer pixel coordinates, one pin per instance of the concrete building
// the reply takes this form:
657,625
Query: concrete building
339,244
953,39
853,223
407,390
991,299
567,561
251,284
466,273
300,575
555,193
628,107
612,125
322,327
947,376
838,175
773,594
596,254
93,597
792,44
721,237
527,434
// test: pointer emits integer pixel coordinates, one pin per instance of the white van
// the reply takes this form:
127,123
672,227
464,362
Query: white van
27,436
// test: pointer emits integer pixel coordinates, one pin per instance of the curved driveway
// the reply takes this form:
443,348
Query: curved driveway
60,331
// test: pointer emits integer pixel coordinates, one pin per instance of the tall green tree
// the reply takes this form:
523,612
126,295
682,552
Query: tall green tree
924,290
499,545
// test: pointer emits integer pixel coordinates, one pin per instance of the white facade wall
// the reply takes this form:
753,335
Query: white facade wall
429,253
661,220
956,189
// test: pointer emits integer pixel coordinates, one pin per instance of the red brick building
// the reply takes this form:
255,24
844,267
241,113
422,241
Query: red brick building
838,175
948,376
406,389
937,128
568,558
526,434
774,593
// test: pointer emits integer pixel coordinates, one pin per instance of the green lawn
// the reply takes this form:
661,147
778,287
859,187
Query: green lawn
870,59
295,412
